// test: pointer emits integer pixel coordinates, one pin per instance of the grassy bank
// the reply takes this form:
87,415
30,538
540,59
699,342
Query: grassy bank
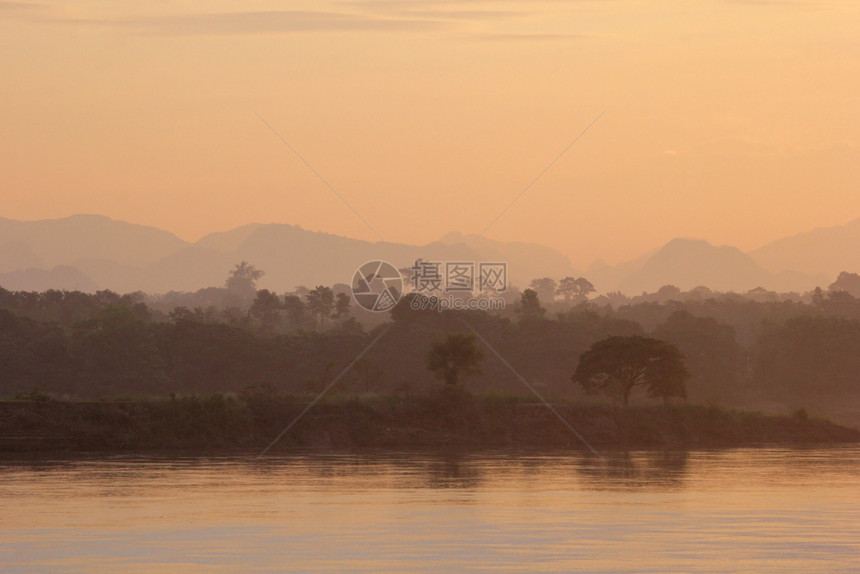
217,423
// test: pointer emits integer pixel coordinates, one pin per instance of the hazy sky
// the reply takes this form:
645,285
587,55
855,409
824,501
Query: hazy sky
736,122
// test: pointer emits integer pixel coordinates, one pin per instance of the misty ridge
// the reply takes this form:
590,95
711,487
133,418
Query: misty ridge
231,312
91,253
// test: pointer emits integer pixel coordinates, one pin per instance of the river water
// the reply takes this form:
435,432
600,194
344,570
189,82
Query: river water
740,510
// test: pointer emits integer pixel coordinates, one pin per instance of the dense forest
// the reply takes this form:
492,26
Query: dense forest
756,350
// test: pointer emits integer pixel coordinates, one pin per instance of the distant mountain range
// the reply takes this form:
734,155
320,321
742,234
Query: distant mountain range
90,252
825,251
690,263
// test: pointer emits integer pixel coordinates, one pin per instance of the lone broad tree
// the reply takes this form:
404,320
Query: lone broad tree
453,357
619,364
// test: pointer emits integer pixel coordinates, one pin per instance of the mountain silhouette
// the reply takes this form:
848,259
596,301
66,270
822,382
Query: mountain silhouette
607,277
15,255
227,241
689,263
90,252
526,261
96,252
66,241
825,251
61,277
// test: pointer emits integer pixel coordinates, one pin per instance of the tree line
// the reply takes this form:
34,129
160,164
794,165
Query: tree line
737,351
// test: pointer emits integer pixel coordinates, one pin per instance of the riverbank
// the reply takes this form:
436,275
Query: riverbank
217,423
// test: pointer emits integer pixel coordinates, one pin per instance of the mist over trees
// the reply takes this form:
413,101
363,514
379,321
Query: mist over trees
759,349
91,253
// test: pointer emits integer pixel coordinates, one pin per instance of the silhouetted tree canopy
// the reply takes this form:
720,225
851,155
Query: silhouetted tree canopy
530,307
455,356
617,365
545,287
809,360
242,280
711,353
760,349
321,302
848,282
265,310
342,305
296,312
575,291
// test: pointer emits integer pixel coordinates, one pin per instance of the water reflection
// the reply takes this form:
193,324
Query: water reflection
748,510
120,476
456,470
661,470
369,470
451,471
438,470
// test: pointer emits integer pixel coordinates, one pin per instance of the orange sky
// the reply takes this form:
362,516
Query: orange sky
736,122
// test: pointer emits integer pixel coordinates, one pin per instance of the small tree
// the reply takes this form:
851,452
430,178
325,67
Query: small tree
575,290
266,310
545,288
619,364
341,306
453,357
321,302
296,311
242,280
530,307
